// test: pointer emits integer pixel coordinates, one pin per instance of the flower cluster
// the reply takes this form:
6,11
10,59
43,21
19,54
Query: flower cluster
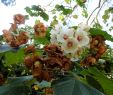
97,49
71,40
13,38
49,66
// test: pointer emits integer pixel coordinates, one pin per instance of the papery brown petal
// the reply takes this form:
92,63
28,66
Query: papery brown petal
7,35
40,30
30,49
19,19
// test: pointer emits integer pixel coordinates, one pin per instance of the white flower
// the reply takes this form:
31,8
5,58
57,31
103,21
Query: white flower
83,27
70,45
82,38
55,32
57,29
65,34
53,38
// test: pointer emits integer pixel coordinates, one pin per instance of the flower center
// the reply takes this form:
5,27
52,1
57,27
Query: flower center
79,38
69,44
65,37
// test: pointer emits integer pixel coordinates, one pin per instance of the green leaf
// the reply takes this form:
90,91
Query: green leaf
97,25
80,3
16,86
85,13
65,11
104,82
68,1
93,82
13,57
44,16
75,16
72,86
95,31
61,17
105,17
37,11
28,10
40,40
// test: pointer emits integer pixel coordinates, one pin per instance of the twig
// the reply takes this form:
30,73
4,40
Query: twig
98,12
49,3
100,9
94,11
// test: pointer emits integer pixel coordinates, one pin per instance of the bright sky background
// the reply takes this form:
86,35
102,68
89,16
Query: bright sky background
7,12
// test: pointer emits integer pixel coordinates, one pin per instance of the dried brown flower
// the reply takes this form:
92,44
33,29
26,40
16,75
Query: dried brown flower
40,30
19,19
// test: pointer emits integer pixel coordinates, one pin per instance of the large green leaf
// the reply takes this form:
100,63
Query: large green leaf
72,86
16,86
95,31
105,83
14,57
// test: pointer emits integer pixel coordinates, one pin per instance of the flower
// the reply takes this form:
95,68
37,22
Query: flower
54,33
7,36
83,27
82,38
65,34
40,30
19,19
70,45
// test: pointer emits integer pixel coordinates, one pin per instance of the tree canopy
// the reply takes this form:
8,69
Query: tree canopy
63,53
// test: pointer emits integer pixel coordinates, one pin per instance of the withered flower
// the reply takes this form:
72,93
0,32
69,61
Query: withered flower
19,19
7,36
30,60
22,38
40,30
88,61
30,49
38,70
53,49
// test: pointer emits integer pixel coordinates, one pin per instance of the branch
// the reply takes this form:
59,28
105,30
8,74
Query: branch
98,11
94,10
49,3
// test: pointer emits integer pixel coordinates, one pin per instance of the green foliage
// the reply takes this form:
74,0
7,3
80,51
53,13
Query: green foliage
84,13
43,40
37,11
16,86
95,31
107,13
65,11
89,81
72,86
13,57
98,26
81,2
68,1
101,80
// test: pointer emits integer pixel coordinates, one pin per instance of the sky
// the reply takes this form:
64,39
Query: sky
7,12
